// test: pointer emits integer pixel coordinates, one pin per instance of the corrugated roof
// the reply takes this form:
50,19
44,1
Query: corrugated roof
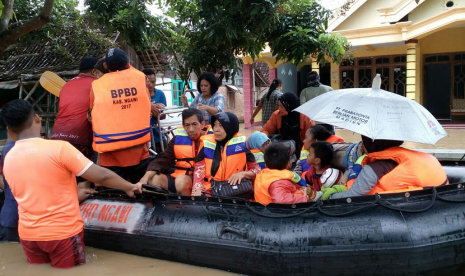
32,60
38,58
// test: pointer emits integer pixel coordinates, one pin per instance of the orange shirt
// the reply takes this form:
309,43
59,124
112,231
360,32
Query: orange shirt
122,158
42,177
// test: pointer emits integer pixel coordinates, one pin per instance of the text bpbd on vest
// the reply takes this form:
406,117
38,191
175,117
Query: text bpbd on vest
127,93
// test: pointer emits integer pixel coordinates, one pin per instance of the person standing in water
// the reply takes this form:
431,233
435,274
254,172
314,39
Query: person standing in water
313,90
269,102
9,211
121,110
42,177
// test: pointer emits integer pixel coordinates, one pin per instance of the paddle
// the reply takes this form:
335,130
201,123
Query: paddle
52,82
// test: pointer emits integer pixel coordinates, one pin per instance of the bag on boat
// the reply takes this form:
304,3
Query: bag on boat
223,188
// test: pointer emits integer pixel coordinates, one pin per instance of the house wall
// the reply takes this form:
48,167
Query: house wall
449,40
239,102
445,41
365,17
368,17
430,8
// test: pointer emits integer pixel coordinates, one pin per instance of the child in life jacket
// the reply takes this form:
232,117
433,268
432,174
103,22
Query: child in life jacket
313,134
257,144
320,173
276,184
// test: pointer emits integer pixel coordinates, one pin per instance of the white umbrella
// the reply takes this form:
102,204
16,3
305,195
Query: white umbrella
375,113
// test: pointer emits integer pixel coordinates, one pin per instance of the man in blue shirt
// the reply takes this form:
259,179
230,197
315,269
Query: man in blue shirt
158,102
9,212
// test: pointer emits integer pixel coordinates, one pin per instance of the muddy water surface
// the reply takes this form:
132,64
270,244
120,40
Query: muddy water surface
99,262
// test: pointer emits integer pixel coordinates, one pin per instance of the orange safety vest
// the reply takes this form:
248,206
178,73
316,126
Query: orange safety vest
415,170
259,157
233,158
266,177
121,111
184,152
208,129
334,139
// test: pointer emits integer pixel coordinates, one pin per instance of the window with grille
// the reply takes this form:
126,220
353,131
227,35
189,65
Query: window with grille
359,73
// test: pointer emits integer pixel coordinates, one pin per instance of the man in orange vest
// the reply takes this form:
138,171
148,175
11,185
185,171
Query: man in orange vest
388,168
120,103
42,177
181,153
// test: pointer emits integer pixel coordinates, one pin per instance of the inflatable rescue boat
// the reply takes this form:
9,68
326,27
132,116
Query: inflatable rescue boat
413,233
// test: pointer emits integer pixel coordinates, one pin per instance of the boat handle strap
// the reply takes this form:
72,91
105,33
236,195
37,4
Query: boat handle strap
430,205
330,214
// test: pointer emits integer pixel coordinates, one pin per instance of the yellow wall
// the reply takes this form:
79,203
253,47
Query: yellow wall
445,41
397,50
430,8
364,17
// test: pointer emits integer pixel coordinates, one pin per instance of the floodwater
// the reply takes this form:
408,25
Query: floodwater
99,262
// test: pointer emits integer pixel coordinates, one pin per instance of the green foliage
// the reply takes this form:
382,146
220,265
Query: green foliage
335,46
209,34
138,28
295,34
66,29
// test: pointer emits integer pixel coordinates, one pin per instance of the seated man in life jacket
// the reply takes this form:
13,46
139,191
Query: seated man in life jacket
320,173
313,134
180,153
276,184
388,168
224,156
257,144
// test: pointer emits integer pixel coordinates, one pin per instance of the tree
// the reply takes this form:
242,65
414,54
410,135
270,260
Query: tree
10,33
209,34
57,23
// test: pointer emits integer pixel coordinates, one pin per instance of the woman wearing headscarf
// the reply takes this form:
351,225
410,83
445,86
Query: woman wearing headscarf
224,156
257,144
391,168
291,125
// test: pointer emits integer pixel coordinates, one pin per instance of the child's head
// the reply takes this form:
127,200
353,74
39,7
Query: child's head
315,133
277,157
320,153
257,140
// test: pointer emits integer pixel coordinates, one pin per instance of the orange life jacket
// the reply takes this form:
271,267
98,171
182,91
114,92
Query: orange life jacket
334,139
184,152
415,170
121,111
266,177
233,158
259,157
208,129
